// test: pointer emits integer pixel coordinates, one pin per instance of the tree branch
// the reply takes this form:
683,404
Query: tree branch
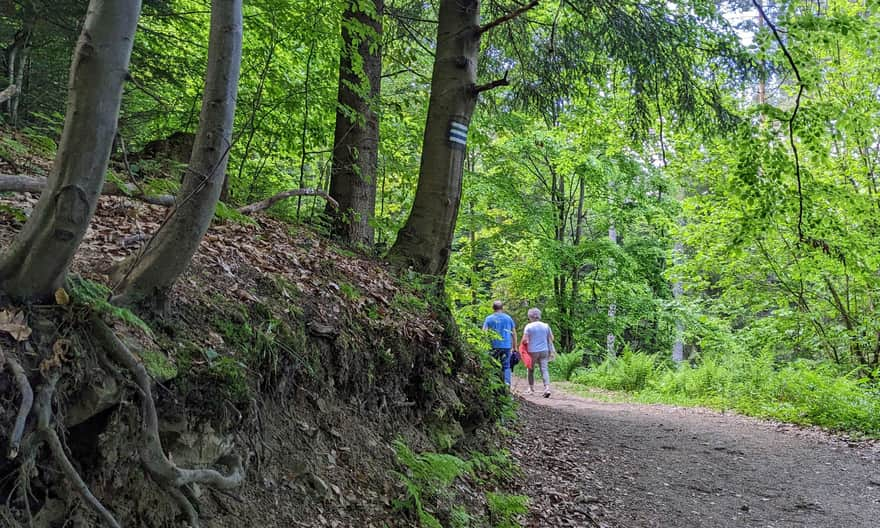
480,88
269,202
8,93
36,185
797,105
506,18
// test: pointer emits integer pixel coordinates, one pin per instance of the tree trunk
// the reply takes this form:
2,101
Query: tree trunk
147,282
356,141
612,307
35,265
424,241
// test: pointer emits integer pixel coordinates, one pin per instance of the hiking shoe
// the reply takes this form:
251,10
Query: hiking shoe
529,391
547,393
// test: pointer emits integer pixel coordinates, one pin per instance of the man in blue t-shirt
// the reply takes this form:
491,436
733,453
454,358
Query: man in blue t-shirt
505,339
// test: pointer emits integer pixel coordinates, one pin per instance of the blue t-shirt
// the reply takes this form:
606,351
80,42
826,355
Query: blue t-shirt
503,325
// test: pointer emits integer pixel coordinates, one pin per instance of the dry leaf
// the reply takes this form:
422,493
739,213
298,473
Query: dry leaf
15,325
61,297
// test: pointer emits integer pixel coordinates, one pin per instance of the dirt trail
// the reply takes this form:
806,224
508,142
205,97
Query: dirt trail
589,463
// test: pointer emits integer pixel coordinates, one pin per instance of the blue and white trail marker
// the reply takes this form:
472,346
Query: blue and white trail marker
458,134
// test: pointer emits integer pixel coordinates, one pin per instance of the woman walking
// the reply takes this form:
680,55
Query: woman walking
539,338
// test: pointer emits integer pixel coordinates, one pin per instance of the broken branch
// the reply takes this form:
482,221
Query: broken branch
35,184
506,18
8,93
24,409
478,89
269,202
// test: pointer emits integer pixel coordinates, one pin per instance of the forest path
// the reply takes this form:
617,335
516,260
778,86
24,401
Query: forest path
590,463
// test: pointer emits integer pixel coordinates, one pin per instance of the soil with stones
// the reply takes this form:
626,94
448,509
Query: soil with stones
590,463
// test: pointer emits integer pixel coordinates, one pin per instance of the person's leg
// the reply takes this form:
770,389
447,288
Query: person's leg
545,373
505,365
531,376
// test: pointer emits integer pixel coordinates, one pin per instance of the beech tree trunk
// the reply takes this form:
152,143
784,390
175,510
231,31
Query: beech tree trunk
16,61
148,280
36,262
356,140
425,240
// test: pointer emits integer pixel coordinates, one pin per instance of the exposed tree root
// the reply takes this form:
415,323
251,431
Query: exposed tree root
24,409
153,457
43,409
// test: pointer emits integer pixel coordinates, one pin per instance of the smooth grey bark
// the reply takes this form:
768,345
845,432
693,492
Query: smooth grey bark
16,61
356,139
612,307
154,271
425,240
36,262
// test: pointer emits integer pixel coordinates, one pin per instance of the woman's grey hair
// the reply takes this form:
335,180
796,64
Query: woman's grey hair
534,314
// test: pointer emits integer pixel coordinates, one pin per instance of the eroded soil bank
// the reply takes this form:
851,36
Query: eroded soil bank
589,463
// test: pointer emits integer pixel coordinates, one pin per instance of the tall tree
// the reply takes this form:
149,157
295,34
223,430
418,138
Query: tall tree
425,240
36,263
147,282
356,140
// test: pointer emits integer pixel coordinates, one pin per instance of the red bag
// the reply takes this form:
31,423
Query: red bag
524,354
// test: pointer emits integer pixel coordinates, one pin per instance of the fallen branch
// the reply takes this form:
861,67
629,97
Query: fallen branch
153,457
35,184
269,202
44,417
24,409
8,93
506,18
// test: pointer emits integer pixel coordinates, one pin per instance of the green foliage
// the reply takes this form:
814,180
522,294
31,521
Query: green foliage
565,365
804,392
430,495
96,296
505,509
158,365
631,371
232,377
14,212
40,144
11,148
428,478
224,213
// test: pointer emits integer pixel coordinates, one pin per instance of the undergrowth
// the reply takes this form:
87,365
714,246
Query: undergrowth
438,489
802,392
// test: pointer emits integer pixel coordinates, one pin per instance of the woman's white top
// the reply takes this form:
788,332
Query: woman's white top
538,336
